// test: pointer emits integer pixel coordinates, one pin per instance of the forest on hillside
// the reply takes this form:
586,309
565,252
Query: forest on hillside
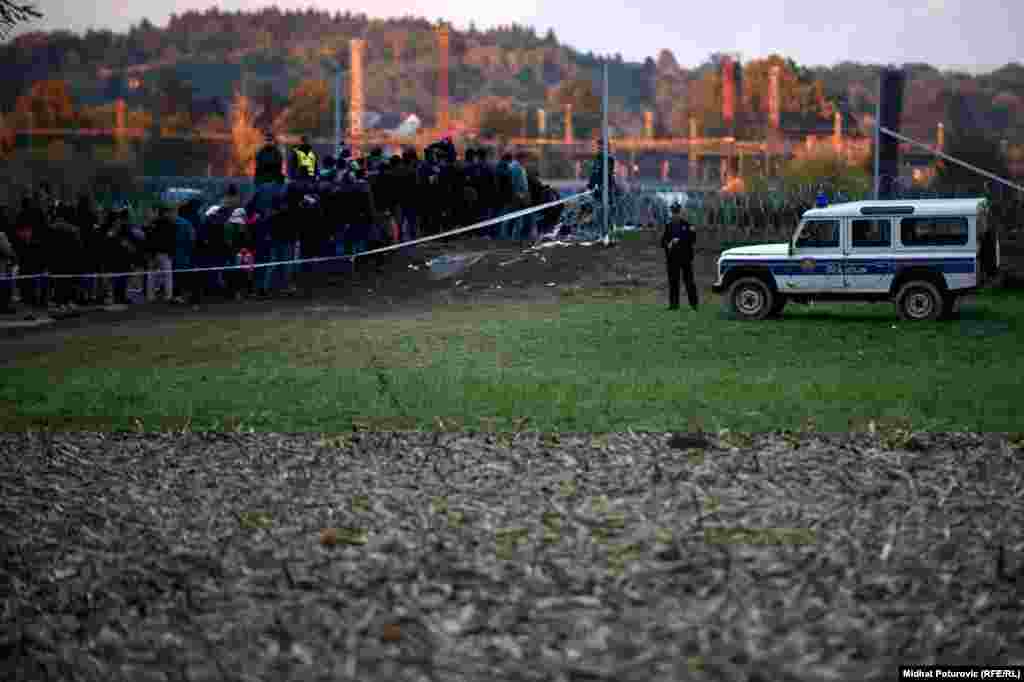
187,73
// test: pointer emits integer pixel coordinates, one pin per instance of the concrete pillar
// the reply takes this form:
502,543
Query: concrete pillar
568,125
648,124
355,110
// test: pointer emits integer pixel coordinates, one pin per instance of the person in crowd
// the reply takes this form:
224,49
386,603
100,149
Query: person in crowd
303,162
269,163
65,257
87,218
190,283
123,249
678,241
161,238
7,260
408,189
30,249
236,238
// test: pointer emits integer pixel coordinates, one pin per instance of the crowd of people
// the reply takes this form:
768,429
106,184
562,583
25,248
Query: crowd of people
302,206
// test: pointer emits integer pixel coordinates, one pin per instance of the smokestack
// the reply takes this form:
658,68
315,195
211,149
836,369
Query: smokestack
443,121
355,111
774,104
648,124
729,93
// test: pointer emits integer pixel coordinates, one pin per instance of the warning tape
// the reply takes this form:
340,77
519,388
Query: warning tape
322,259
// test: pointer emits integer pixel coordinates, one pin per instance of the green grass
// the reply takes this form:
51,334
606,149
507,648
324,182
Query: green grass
585,365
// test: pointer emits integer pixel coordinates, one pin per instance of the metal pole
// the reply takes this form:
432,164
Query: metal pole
878,137
604,165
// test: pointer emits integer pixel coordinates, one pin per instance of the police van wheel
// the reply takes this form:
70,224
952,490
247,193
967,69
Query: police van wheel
919,301
750,298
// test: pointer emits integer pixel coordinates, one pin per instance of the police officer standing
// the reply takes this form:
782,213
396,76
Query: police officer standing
304,166
678,242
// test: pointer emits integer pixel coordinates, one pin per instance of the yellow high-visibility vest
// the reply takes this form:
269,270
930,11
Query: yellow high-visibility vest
307,160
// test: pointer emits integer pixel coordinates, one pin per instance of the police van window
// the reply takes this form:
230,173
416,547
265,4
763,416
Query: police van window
873,232
819,234
951,231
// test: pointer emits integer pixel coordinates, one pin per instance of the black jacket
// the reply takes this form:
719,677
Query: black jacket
680,228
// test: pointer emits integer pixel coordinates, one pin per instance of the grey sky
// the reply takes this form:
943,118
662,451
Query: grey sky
969,34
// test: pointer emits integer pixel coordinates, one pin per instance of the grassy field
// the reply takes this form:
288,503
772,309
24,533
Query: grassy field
587,364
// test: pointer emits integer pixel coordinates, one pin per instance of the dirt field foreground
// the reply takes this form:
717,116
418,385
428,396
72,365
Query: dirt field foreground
443,556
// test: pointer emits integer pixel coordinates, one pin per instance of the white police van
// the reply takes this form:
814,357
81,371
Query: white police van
921,255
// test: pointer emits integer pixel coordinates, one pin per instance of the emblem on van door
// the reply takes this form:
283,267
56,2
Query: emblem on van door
807,265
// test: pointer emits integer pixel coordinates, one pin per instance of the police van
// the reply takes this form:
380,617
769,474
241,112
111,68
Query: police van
922,255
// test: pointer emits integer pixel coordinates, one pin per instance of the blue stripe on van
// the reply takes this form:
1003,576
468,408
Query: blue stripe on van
874,267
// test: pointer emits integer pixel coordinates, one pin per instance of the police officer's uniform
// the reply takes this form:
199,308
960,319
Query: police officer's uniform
678,241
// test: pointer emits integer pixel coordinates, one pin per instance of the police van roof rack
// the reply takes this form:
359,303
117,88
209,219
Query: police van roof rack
887,210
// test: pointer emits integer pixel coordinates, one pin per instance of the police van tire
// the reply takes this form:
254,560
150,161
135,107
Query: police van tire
750,298
919,301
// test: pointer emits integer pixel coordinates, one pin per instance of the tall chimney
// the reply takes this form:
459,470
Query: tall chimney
443,121
355,110
648,124
568,123
729,93
774,104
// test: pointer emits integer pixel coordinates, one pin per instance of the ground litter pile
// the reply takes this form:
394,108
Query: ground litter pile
454,556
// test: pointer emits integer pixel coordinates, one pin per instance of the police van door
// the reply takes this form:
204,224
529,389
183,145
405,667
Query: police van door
869,256
817,263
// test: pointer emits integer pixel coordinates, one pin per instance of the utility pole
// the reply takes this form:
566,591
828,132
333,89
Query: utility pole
604,181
